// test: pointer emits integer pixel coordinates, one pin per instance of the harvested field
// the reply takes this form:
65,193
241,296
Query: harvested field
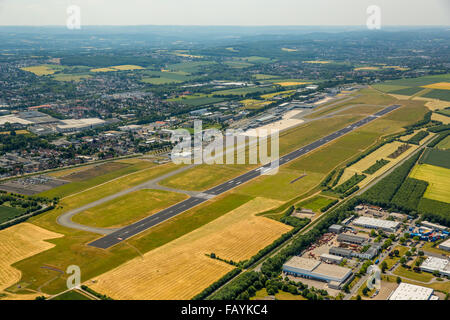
439,85
17,243
437,105
380,153
180,269
440,117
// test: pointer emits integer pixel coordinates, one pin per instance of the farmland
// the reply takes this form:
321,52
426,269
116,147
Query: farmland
20,242
181,269
128,209
444,144
315,204
7,213
43,70
438,179
436,157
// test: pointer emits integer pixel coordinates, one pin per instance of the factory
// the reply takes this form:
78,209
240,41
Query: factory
406,291
330,258
334,275
432,264
41,123
348,238
372,223
445,245
336,228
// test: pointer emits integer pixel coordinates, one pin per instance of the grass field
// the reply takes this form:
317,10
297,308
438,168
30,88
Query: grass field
180,269
71,77
7,213
444,144
438,94
159,81
17,243
128,209
75,187
72,296
244,91
438,179
204,176
392,261
436,157
315,203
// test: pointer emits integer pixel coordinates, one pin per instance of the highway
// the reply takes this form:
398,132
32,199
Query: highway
133,229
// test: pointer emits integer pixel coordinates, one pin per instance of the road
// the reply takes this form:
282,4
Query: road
129,231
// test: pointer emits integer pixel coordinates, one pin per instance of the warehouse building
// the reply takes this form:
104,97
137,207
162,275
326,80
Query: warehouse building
406,291
316,270
445,245
336,228
432,264
341,252
372,223
330,258
348,238
72,125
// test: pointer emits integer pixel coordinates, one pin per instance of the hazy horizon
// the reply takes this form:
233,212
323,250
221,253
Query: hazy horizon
219,13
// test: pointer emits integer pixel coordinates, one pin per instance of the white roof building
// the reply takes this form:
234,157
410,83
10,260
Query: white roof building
445,245
432,264
406,291
373,223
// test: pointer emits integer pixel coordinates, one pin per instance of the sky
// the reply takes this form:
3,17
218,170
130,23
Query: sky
225,12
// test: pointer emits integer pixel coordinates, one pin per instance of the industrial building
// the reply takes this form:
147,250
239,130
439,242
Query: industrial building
316,270
432,264
79,124
433,225
372,223
348,238
336,228
330,258
445,245
341,252
406,291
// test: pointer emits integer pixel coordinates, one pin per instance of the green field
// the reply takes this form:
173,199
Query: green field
407,91
436,157
8,213
158,81
438,94
197,100
315,203
74,187
128,209
71,295
444,144
411,82
204,176
244,91
190,67
70,77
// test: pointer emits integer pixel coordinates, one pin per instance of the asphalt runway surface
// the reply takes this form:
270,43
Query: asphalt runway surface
157,218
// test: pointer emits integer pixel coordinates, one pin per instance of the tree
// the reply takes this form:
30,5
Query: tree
358,297
421,253
408,254
365,290
399,280
403,260
384,266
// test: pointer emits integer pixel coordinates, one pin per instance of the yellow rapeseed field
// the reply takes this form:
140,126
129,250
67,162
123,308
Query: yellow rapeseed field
181,269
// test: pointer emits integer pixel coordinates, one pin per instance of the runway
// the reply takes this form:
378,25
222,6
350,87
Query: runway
157,218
